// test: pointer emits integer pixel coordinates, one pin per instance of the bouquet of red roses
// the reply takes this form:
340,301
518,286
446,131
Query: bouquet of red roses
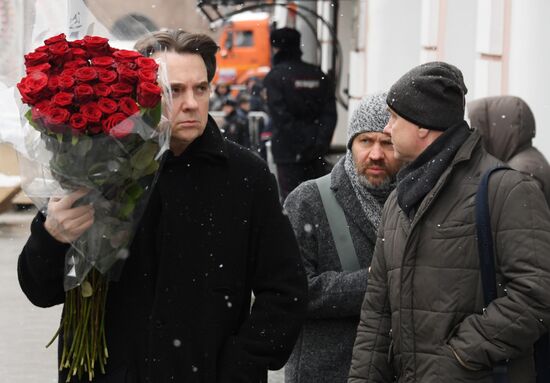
97,111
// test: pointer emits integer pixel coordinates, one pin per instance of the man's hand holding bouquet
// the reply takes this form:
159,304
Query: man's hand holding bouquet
97,110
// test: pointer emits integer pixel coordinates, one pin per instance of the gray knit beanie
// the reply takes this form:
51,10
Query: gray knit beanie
430,95
370,116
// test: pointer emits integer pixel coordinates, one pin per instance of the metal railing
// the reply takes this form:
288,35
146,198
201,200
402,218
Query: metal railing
255,121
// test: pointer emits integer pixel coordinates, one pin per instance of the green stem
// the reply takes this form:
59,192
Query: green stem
84,340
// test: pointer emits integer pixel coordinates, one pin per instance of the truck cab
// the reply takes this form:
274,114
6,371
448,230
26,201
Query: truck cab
245,49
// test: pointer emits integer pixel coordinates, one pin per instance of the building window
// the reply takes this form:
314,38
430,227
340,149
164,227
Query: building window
433,30
492,45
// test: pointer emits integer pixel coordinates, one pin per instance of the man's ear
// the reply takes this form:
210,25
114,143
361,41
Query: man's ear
423,132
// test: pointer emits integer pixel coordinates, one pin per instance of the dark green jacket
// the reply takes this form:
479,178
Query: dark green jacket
425,282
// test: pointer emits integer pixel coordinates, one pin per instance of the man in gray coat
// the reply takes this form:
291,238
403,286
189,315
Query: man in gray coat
423,318
357,187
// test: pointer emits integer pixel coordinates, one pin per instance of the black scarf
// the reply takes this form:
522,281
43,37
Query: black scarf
420,176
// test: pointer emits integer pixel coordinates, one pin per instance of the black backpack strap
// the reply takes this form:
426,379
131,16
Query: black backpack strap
486,255
485,237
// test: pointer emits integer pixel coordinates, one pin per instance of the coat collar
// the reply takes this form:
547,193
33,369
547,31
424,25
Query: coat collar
465,153
210,146
345,195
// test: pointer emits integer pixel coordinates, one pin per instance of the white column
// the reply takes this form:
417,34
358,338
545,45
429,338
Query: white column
325,10
393,41
346,34
529,73
309,37
460,39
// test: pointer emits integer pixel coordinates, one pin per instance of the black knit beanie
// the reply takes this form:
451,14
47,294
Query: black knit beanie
430,95
285,38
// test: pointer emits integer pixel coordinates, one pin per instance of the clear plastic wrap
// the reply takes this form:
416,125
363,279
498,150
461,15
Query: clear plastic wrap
93,122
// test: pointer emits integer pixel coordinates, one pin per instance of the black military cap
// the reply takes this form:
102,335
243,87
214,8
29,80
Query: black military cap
285,38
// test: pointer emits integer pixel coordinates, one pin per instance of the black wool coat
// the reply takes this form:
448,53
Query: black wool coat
212,234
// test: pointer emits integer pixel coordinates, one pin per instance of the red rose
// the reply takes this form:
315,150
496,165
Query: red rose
56,118
146,63
26,97
65,82
63,98
122,128
91,111
56,39
84,92
96,46
125,55
42,48
103,61
95,42
125,74
78,53
128,106
39,68
85,74
121,89
39,110
112,121
107,106
102,90
60,49
78,121
78,63
108,76
148,94
127,64
95,128
53,83
36,58
68,72
147,75
31,87
77,44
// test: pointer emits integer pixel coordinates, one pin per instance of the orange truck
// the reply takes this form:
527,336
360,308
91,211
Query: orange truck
245,50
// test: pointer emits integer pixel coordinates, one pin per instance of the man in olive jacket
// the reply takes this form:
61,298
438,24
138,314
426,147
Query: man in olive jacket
422,318
212,234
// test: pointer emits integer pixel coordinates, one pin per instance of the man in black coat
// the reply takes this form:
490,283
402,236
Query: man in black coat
212,234
302,107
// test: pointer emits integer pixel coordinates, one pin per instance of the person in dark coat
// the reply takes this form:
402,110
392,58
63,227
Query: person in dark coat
253,89
424,318
507,128
222,93
235,123
360,181
213,233
302,107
